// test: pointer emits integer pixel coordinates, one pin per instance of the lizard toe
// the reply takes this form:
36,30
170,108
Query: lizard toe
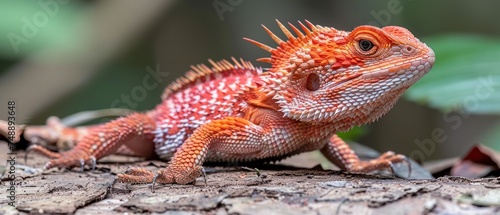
43,151
384,162
173,175
74,158
136,175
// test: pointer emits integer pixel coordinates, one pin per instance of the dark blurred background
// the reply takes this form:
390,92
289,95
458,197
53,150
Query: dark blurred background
62,57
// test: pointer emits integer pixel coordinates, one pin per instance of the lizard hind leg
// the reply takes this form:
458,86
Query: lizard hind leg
135,129
54,135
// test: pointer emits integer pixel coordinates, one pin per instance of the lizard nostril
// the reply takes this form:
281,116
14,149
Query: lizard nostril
408,50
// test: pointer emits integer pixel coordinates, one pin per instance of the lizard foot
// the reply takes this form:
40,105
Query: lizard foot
73,158
61,159
136,175
385,161
176,175
167,176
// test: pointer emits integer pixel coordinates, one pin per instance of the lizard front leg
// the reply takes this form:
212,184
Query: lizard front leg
134,131
232,138
339,153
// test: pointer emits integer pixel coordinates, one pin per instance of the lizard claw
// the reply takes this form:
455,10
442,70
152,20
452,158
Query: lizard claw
204,174
93,162
82,164
408,163
153,183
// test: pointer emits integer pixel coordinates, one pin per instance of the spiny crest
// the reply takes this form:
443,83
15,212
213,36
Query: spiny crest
202,73
293,42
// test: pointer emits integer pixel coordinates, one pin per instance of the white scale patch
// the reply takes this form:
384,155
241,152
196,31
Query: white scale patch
193,107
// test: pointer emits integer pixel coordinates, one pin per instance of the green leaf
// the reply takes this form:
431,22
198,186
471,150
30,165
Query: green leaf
466,75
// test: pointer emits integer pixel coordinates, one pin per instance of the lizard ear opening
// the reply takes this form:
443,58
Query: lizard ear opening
312,82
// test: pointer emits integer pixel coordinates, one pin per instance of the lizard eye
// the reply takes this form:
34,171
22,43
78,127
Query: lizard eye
365,45
368,42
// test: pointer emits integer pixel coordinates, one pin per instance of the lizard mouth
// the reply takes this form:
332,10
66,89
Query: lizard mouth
426,61
379,73
344,80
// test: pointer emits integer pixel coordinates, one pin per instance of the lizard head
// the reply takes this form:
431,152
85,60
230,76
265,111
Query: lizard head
324,75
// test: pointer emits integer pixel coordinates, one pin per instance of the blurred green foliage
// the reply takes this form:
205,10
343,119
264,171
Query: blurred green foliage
466,75
465,78
492,137
31,26
352,134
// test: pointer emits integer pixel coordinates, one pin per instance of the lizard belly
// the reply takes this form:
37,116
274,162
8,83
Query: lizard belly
270,137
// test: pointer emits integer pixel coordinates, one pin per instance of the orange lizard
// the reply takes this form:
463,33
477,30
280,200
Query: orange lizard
321,81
